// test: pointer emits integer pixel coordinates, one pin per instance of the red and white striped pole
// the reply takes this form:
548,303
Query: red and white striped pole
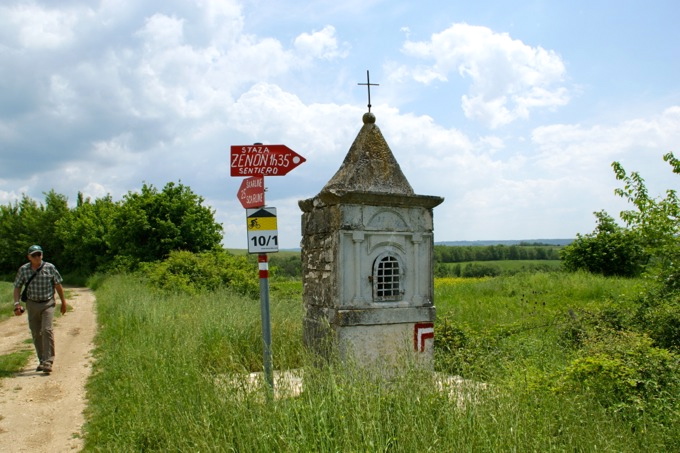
263,267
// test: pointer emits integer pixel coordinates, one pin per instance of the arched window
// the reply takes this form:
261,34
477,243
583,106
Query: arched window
387,279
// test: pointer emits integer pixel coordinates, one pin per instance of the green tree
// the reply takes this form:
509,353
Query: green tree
84,231
25,223
656,221
150,224
18,225
55,209
609,250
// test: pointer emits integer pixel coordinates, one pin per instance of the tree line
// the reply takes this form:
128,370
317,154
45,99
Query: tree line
465,253
103,234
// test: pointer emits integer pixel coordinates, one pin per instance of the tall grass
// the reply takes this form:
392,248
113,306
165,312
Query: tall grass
14,361
503,328
172,375
7,300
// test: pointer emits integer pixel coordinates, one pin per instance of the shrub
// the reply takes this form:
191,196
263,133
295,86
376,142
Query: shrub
472,352
288,266
658,314
443,270
609,250
577,326
480,270
194,272
625,373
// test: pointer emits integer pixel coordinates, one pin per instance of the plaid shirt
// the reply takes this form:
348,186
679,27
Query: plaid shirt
42,285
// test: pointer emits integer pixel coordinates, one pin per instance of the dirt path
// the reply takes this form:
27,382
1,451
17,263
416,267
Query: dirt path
44,413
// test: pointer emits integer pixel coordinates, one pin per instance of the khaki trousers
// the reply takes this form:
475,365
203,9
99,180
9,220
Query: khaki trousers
40,317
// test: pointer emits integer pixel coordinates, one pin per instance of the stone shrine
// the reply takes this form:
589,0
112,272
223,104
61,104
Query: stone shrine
367,260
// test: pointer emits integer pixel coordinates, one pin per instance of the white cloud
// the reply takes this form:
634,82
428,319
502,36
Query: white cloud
509,78
580,148
219,13
11,196
555,182
94,190
320,44
266,113
39,28
223,20
161,31
421,136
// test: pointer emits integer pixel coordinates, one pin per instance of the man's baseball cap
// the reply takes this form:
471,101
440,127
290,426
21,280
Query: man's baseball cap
34,248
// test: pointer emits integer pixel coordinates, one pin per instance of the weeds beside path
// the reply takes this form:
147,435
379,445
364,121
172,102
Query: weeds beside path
44,413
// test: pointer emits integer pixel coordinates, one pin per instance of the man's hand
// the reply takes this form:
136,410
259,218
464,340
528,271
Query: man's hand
18,310
63,307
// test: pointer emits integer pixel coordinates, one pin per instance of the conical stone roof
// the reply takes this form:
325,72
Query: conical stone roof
369,166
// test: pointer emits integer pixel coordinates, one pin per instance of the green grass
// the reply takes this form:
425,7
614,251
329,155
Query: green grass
6,300
14,362
509,329
525,298
162,362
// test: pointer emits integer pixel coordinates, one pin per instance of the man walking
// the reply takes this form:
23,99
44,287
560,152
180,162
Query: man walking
42,279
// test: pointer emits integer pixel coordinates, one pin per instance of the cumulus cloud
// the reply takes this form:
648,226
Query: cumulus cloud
161,31
509,78
579,147
37,28
320,44
157,81
267,112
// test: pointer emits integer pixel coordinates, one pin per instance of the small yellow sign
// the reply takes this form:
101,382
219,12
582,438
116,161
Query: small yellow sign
263,235
261,223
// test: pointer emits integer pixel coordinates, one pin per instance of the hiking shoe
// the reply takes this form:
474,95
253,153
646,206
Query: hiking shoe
40,367
47,368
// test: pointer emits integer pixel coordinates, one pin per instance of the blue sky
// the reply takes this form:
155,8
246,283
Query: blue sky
511,111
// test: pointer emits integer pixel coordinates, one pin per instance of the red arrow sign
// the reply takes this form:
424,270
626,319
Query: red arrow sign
251,192
264,160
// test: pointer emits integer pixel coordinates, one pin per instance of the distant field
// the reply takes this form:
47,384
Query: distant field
288,262
282,253
506,242
518,265
493,268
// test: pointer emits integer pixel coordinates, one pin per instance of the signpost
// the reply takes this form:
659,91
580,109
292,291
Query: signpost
263,236
258,161
264,160
251,192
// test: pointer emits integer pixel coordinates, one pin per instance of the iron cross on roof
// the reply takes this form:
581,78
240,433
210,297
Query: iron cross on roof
368,85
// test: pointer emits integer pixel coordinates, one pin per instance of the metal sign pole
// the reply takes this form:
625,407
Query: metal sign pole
263,266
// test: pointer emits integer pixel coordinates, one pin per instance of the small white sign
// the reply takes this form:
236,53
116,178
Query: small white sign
263,234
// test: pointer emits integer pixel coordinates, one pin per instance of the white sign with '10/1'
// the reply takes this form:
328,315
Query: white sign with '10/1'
263,235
